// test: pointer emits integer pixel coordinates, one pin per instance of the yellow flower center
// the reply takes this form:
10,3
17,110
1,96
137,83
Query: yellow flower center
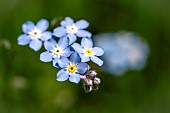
72,68
88,52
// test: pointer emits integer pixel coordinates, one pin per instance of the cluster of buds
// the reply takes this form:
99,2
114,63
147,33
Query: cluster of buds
90,81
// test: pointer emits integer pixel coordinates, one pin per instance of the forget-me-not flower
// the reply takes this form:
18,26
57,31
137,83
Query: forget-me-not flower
56,50
34,34
71,69
123,51
88,52
72,30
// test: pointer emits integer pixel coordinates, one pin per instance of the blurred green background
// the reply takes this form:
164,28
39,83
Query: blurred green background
28,85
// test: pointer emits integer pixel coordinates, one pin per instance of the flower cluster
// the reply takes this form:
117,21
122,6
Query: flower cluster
62,48
123,51
90,81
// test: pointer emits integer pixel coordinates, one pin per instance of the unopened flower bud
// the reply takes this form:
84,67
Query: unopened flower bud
87,88
88,82
83,77
92,73
97,81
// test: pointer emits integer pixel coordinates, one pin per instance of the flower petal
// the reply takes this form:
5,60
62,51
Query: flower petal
75,58
23,39
84,58
74,78
82,24
46,35
50,44
82,68
63,42
98,51
59,32
62,75
55,63
67,52
46,56
97,60
35,44
86,43
72,38
77,47
83,33
28,26
63,62
67,21
42,24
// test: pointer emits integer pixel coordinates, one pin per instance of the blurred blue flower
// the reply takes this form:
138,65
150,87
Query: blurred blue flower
72,30
87,52
56,50
123,51
71,69
34,34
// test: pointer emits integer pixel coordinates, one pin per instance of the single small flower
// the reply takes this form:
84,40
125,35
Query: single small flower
72,30
71,69
88,52
34,34
55,51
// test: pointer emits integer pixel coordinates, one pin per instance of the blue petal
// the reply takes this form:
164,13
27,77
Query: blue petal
23,39
62,75
82,68
50,44
55,63
28,26
97,60
86,43
63,62
84,58
67,52
59,32
82,24
74,78
46,56
77,47
63,42
67,22
46,35
35,44
42,24
75,58
98,51
83,33
72,38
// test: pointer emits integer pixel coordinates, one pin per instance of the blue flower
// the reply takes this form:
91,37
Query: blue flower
88,52
72,30
123,51
55,51
34,34
71,69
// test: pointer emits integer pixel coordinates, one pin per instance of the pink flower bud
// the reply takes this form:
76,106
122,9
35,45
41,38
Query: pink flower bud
92,73
83,77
